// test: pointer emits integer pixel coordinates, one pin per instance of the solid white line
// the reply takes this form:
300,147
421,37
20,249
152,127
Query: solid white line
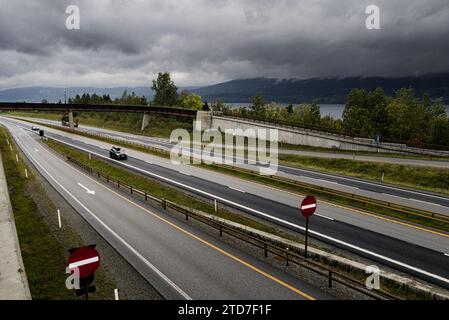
238,190
425,202
325,181
83,262
320,215
142,258
340,242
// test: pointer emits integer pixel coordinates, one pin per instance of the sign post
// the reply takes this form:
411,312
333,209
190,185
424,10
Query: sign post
86,260
307,208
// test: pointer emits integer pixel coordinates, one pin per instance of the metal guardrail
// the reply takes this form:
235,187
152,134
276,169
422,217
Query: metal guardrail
288,254
400,209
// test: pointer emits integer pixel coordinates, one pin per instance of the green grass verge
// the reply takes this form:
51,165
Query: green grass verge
44,256
424,178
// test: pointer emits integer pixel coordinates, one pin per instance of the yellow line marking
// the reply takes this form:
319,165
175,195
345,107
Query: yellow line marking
229,255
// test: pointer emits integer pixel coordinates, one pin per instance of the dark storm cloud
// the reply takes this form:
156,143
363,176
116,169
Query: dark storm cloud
204,41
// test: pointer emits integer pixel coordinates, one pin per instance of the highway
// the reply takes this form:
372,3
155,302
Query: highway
180,261
405,247
437,203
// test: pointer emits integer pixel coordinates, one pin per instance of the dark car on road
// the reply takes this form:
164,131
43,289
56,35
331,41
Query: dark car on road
117,153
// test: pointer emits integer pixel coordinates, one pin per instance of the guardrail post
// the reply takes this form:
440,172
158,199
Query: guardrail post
164,204
118,183
187,215
265,249
221,231
330,279
107,179
146,196
131,188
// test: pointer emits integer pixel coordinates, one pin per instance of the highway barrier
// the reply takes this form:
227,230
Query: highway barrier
289,255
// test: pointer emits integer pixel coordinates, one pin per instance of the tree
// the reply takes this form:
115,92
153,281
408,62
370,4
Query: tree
165,91
192,101
44,101
257,107
206,107
218,106
290,108
307,114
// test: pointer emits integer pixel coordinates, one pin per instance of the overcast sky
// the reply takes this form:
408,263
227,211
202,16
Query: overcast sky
126,42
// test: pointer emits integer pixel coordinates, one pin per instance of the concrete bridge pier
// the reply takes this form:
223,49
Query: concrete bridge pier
71,121
145,120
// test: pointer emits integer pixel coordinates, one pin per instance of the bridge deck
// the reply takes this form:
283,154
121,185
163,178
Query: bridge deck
96,107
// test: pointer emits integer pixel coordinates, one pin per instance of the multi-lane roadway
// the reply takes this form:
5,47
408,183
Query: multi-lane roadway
409,248
413,198
180,261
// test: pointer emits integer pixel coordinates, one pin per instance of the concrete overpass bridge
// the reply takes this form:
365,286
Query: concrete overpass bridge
70,108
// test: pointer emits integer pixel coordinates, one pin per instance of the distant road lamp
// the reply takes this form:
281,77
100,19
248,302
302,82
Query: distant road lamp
65,96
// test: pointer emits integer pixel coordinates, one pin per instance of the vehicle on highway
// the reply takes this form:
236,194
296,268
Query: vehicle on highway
117,153
35,128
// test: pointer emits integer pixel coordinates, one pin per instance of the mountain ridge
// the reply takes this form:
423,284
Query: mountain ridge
324,90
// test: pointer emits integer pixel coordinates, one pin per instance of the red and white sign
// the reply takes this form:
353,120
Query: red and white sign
308,206
86,259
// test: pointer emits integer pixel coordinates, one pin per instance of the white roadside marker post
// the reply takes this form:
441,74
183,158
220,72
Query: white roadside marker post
116,294
17,158
215,205
59,219
26,173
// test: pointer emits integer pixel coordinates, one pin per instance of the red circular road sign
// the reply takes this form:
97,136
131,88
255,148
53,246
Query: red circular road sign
308,206
86,259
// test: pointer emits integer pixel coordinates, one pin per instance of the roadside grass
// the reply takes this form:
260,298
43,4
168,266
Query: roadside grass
44,256
417,177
